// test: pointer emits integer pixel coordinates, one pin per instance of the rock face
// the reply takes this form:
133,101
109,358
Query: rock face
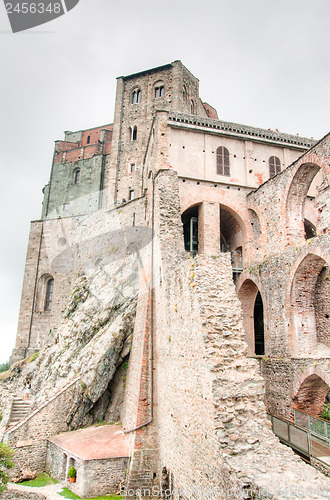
92,342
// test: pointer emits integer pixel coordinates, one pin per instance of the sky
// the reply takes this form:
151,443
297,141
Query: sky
260,62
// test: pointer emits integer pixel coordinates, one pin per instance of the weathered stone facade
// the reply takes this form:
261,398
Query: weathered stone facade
165,182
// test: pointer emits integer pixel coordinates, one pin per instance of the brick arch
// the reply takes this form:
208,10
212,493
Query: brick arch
303,334
247,292
301,176
311,390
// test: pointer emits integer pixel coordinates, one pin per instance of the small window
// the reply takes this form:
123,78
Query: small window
133,167
49,294
192,107
159,91
133,133
274,166
88,139
223,167
131,194
77,176
136,96
66,206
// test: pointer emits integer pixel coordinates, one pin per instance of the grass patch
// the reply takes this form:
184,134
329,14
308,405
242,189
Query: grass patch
39,481
66,493
5,375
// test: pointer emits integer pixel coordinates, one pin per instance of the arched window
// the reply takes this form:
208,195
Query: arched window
223,167
136,96
274,166
259,336
49,294
192,107
159,89
76,176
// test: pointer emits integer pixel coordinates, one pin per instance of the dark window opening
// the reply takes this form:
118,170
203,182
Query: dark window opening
77,176
49,294
134,134
259,337
190,230
88,139
223,166
274,166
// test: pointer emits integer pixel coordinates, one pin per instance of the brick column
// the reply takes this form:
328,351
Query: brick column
209,228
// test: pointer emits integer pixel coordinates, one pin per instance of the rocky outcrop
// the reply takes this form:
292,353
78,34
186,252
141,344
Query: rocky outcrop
91,342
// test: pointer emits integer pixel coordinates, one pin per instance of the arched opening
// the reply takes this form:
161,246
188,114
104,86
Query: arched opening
190,229
192,107
44,289
253,317
259,333
231,234
307,304
159,89
311,395
136,96
297,199
76,176
322,310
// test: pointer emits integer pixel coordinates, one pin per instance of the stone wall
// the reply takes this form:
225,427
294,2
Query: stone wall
29,437
214,436
94,477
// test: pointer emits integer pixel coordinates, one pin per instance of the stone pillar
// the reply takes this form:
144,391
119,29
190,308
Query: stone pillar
209,228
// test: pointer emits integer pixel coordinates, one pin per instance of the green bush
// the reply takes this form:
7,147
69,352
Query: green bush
325,413
6,462
72,472
4,367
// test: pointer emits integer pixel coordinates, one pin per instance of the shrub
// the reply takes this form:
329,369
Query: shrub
4,367
6,462
72,472
325,413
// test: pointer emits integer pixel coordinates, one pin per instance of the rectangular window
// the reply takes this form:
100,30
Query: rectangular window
131,194
133,167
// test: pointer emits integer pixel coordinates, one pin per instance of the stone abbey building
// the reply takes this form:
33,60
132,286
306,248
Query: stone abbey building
235,282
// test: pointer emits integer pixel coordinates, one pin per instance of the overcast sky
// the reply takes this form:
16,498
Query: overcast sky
260,62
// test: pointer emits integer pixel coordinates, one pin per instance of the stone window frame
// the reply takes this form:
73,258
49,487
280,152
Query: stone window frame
136,96
42,292
132,167
159,89
192,107
132,133
76,176
223,161
274,166
131,195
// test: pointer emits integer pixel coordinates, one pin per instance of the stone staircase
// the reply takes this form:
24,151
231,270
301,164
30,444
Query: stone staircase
20,409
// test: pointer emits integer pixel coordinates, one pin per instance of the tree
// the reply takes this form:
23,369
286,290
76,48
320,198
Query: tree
6,462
